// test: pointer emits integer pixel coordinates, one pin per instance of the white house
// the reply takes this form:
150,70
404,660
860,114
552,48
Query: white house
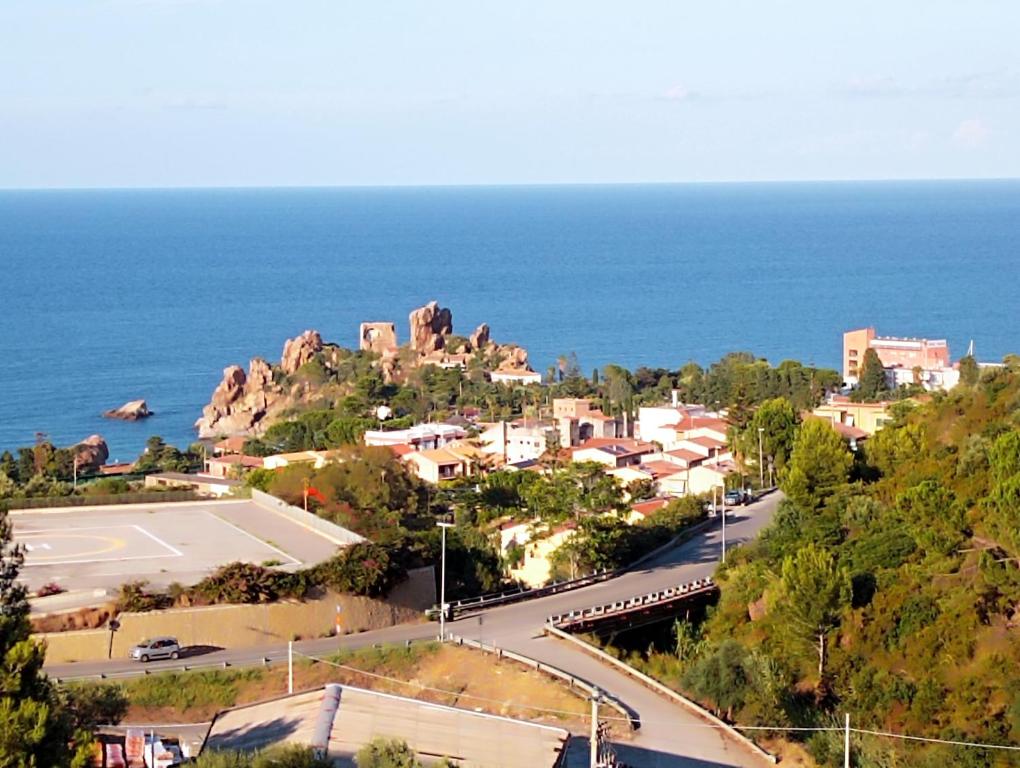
516,441
421,437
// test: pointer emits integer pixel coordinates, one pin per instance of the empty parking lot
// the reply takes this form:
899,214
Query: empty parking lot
102,547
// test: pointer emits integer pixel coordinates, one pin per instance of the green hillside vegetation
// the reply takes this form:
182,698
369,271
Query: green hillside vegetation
887,587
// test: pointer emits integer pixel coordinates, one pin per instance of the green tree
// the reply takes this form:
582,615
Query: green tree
872,384
722,677
813,592
777,421
34,730
386,753
969,371
819,464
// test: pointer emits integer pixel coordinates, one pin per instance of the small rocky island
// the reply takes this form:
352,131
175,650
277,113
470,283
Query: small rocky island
134,410
312,370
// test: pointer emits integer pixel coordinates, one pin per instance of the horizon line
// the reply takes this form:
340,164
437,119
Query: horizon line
520,184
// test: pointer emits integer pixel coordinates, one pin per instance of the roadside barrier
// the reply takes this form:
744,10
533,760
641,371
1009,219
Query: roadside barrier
663,690
629,713
705,586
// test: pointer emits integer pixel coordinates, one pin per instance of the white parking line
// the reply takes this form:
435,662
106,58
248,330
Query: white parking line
293,560
158,540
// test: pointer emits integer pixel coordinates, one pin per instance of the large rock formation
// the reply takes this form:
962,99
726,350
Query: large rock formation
513,357
91,453
240,402
300,350
480,337
430,325
130,411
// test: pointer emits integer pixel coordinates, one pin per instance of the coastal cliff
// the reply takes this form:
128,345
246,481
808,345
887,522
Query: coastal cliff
311,370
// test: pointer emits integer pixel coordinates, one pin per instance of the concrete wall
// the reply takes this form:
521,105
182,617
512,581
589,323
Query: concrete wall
330,530
247,626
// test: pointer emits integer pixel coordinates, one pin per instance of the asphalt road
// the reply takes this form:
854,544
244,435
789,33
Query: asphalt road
670,736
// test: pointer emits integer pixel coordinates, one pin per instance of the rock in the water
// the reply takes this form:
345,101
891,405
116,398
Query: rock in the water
132,411
91,453
480,337
430,325
300,350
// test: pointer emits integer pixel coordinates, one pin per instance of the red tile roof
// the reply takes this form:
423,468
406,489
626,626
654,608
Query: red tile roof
645,508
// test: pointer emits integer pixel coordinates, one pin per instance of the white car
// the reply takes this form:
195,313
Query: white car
156,648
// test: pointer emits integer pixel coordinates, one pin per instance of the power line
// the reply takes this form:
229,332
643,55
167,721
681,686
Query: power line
951,742
670,723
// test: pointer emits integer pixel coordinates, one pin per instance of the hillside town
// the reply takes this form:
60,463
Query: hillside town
571,483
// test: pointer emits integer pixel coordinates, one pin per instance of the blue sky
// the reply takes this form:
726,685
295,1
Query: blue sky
328,92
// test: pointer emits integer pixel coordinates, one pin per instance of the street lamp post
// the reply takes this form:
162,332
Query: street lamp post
761,463
724,521
442,584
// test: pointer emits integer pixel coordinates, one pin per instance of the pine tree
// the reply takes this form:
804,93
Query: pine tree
34,731
872,384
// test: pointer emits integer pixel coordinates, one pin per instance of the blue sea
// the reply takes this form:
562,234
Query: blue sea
108,296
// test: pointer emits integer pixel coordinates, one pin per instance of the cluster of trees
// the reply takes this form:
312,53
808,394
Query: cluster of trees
45,470
378,753
887,586
603,542
41,724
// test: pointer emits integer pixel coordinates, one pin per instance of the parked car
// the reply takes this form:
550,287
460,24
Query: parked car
738,496
156,648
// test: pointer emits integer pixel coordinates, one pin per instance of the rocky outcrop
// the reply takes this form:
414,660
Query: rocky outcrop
480,337
380,338
513,357
91,453
300,350
130,411
430,325
240,402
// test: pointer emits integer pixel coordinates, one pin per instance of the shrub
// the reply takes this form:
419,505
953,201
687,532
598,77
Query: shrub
52,588
135,598
386,753
361,569
243,583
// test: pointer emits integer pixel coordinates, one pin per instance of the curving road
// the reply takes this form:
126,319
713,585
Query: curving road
669,737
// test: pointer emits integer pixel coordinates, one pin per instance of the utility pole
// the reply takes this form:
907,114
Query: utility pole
290,667
761,463
724,522
846,743
442,584
593,760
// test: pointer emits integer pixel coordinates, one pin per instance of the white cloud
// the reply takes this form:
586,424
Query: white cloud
971,133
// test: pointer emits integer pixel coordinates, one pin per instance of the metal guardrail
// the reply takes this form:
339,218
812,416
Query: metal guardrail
621,607
255,660
493,599
663,690
633,719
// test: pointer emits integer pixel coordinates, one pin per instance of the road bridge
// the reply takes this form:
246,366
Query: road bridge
635,611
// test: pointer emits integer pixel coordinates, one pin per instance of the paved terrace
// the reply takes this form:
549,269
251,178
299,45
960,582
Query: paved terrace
100,548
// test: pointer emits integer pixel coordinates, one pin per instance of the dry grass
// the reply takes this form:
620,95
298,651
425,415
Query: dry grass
463,678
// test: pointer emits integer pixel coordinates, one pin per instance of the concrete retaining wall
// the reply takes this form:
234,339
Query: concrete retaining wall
249,626
659,688
331,531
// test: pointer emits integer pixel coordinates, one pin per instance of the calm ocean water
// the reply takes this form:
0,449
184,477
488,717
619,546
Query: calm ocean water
107,296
